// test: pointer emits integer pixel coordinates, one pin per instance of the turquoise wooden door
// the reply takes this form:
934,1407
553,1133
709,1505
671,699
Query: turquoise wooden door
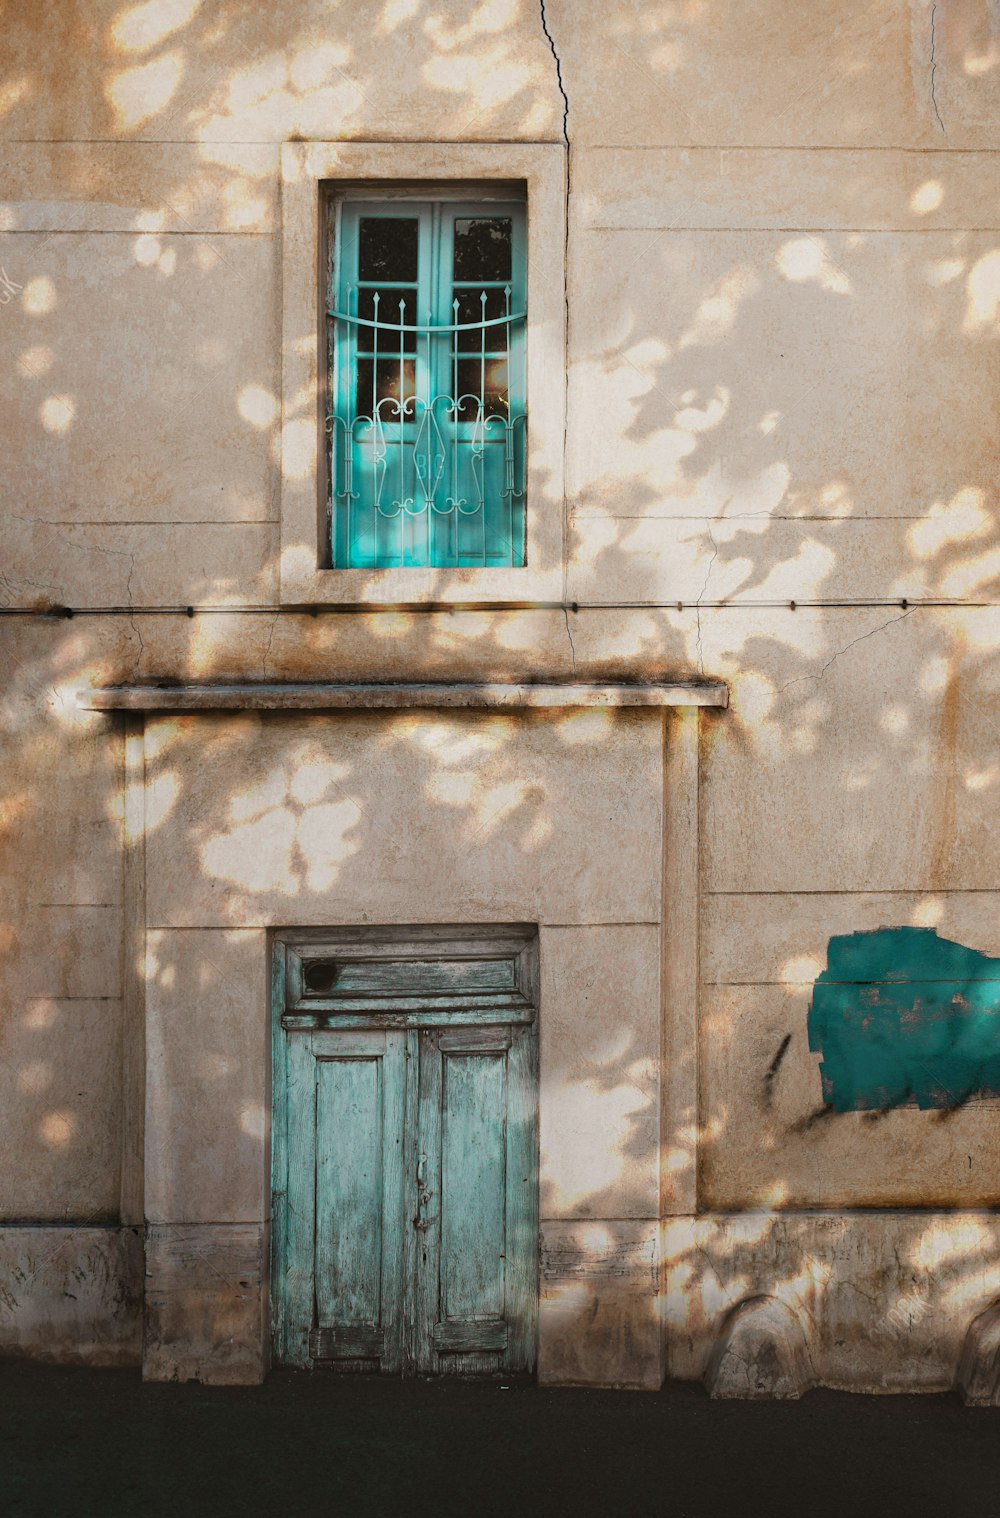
475,1224
406,1224
344,1276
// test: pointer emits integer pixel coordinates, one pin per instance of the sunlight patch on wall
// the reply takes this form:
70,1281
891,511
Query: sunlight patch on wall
800,578
264,77
151,254
982,289
62,700
702,418
497,804
807,258
38,296
716,316
288,833
57,413
927,197
949,522
928,913
161,796
895,719
313,65
162,734
943,270
973,574
41,1013
14,91
242,207
257,405
586,1133
982,779
951,1241
253,1121
751,499
313,777
455,742
139,94
36,361
56,1128
490,82
144,26
395,13
306,92
800,968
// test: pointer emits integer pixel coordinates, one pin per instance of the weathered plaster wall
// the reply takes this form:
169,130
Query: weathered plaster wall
783,277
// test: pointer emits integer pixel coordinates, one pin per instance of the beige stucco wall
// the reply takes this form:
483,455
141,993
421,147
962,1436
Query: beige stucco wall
782,285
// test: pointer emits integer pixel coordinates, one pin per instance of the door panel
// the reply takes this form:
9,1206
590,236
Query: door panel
349,1139
411,1218
521,1193
480,1230
473,1161
347,1197
297,1295
470,1333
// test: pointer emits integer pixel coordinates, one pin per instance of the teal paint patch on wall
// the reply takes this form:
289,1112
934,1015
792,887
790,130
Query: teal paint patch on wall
900,1016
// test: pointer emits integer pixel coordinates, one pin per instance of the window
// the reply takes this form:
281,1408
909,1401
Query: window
427,382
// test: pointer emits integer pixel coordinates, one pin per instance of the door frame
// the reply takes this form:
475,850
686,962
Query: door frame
494,981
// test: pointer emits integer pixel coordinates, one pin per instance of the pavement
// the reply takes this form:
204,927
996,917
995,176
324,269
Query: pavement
80,1442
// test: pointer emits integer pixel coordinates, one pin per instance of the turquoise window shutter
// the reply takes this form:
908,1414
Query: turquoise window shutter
427,385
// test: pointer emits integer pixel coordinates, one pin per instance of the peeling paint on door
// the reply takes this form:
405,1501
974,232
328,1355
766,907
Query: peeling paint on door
901,1016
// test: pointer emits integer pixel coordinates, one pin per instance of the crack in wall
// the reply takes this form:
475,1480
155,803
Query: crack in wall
559,77
934,103
572,645
270,640
801,679
565,137
131,603
701,597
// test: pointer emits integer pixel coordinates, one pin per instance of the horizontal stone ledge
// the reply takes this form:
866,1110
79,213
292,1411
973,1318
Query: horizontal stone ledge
398,697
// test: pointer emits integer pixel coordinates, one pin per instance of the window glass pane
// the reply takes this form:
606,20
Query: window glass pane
387,247
388,317
482,247
386,394
470,309
470,380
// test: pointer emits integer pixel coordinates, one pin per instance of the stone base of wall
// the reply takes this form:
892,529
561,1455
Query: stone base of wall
753,1304
880,1301
770,1304
206,1303
71,1295
598,1321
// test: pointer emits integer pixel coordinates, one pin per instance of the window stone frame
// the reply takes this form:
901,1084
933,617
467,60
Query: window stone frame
307,171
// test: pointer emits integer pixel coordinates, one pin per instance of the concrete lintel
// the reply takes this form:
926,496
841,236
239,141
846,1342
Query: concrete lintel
398,697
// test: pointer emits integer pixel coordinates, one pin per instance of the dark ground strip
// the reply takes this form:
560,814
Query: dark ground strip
80,1442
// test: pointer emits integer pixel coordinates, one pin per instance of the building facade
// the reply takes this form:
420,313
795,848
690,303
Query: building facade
501,698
